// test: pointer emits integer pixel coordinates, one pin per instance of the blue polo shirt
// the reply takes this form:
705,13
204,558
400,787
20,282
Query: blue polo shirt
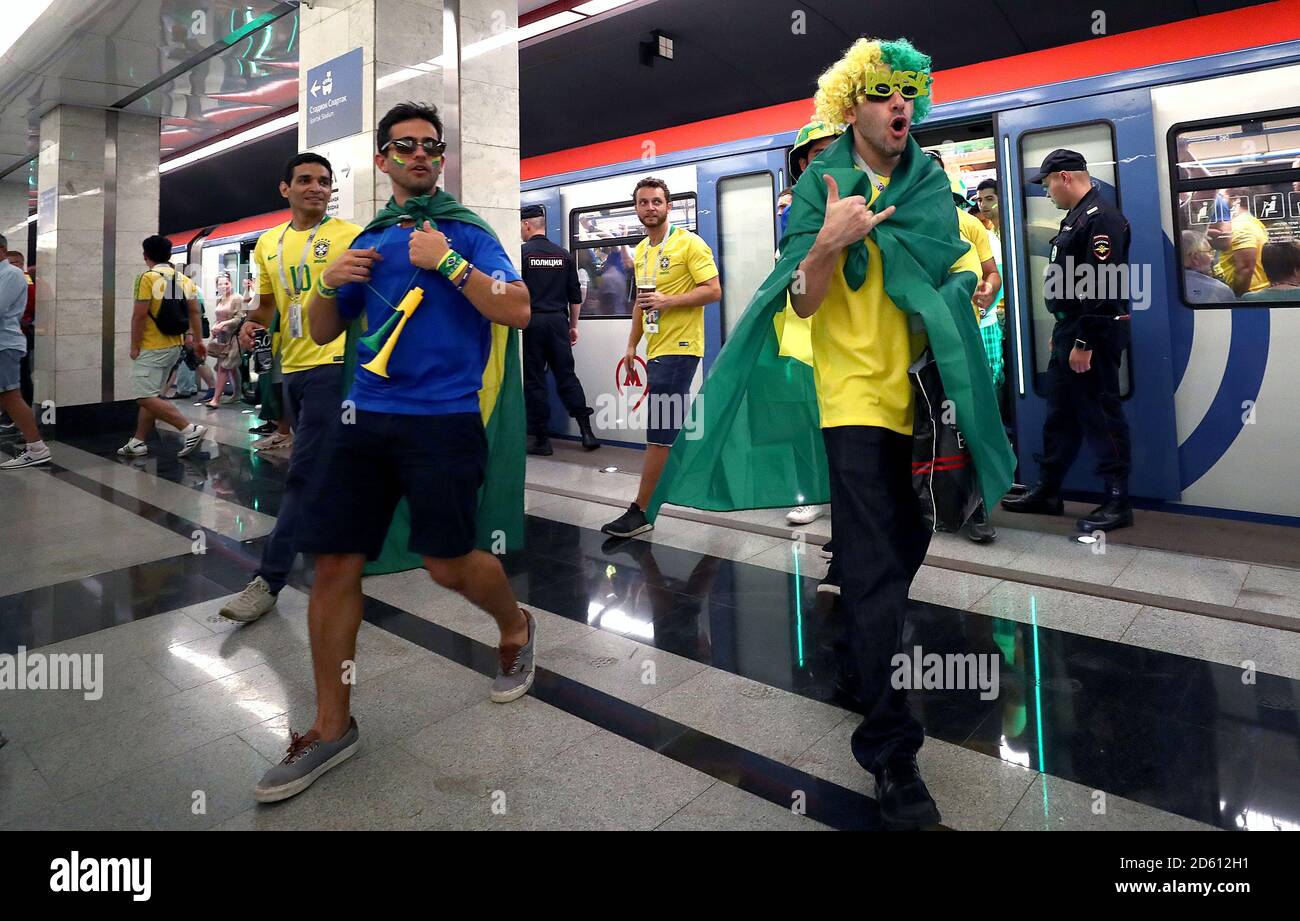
436,368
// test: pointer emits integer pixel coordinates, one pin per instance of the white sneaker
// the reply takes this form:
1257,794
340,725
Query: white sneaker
130,449
27,459
250,604
804,514
192,440
272,442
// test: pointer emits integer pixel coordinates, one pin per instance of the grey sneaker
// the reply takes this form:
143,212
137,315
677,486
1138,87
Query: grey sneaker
191,440
308,758
133,450
250,604
515,674
27,459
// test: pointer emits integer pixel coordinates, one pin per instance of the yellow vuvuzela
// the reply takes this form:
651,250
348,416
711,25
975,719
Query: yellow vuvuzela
379,364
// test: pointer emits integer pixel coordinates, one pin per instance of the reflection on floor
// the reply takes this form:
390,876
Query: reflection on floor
683,686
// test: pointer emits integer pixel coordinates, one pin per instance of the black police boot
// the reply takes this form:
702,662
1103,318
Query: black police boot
1114,513
1041,500
540,445
980,530
904,800
589,440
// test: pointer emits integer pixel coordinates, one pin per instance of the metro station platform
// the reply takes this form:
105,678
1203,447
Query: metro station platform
686,679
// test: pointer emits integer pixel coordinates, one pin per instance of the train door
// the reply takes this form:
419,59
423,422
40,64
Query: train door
1115,134
737,208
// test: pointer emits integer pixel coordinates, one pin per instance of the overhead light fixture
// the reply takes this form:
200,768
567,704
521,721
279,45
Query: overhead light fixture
18,19
235,140
596,7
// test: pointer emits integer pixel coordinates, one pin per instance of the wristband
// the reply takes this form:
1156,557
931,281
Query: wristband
324,290
451,265
1081,345
464,278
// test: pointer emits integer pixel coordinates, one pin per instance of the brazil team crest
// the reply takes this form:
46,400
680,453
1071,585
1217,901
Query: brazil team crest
321,249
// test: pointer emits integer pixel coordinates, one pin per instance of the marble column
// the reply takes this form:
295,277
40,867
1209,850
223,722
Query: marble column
460,55
97,199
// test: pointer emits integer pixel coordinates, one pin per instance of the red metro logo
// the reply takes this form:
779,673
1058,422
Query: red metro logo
628,380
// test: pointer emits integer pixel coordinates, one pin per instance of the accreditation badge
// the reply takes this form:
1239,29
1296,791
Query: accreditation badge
295,319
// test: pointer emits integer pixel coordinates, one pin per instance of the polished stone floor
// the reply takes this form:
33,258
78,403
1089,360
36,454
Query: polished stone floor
687,680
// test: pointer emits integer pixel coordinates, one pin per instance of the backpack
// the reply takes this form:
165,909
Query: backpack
173,316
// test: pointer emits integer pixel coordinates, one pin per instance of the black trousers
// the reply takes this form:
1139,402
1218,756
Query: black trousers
880,541
1088,406
546,344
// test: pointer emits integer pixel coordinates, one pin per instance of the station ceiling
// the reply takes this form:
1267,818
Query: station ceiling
208,68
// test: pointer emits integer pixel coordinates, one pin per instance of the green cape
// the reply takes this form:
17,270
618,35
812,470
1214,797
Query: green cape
501,498
760,443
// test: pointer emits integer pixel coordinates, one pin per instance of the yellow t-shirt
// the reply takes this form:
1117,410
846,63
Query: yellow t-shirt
1247,233
862,348
332,239
685,263
151,286
972,230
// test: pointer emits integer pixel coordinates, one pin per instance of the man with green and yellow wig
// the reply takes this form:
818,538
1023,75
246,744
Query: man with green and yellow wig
872,254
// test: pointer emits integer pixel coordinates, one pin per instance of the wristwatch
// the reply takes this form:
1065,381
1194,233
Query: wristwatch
1081,345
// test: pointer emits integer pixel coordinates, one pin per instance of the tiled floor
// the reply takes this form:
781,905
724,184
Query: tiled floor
688,681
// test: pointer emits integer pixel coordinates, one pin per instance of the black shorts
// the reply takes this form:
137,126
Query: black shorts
668,396
435,462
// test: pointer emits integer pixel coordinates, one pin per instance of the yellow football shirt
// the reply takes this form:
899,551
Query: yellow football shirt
972,230
863,346
1247,233
332,239
681,263
152,286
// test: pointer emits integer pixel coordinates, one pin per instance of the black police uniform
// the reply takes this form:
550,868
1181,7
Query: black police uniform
552,280
1086,404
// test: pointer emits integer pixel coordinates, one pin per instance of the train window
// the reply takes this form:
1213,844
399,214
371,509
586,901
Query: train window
1236,195
747,232
602,239
1042,221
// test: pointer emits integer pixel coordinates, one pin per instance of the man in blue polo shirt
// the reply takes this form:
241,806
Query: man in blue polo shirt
411,427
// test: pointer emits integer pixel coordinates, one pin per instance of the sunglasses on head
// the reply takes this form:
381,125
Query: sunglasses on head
907,83
407,146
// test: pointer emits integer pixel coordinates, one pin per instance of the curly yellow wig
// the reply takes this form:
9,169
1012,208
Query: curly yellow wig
841,86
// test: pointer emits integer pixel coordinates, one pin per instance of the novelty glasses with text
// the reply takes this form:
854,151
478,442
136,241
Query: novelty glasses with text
907,83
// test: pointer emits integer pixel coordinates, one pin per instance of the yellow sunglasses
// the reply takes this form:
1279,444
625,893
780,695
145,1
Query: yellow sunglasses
907,83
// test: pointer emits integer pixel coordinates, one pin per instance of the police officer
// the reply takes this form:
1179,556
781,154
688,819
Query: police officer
552,280
1086,288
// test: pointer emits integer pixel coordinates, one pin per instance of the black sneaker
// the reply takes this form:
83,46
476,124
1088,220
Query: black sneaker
905,801
266,428
629,524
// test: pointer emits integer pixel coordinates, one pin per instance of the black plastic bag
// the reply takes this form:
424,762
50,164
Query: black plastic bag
943,473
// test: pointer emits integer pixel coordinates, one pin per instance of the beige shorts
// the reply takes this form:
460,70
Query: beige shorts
150,371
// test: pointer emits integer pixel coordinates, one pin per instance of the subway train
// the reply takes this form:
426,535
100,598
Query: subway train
1207,386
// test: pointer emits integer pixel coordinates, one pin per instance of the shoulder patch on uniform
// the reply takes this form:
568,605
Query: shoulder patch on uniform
1101,246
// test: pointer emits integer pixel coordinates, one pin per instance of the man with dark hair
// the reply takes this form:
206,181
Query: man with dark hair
13,349
1240,265
675,276
289,259
437,301
1281,260
986,197
552,279
162,296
